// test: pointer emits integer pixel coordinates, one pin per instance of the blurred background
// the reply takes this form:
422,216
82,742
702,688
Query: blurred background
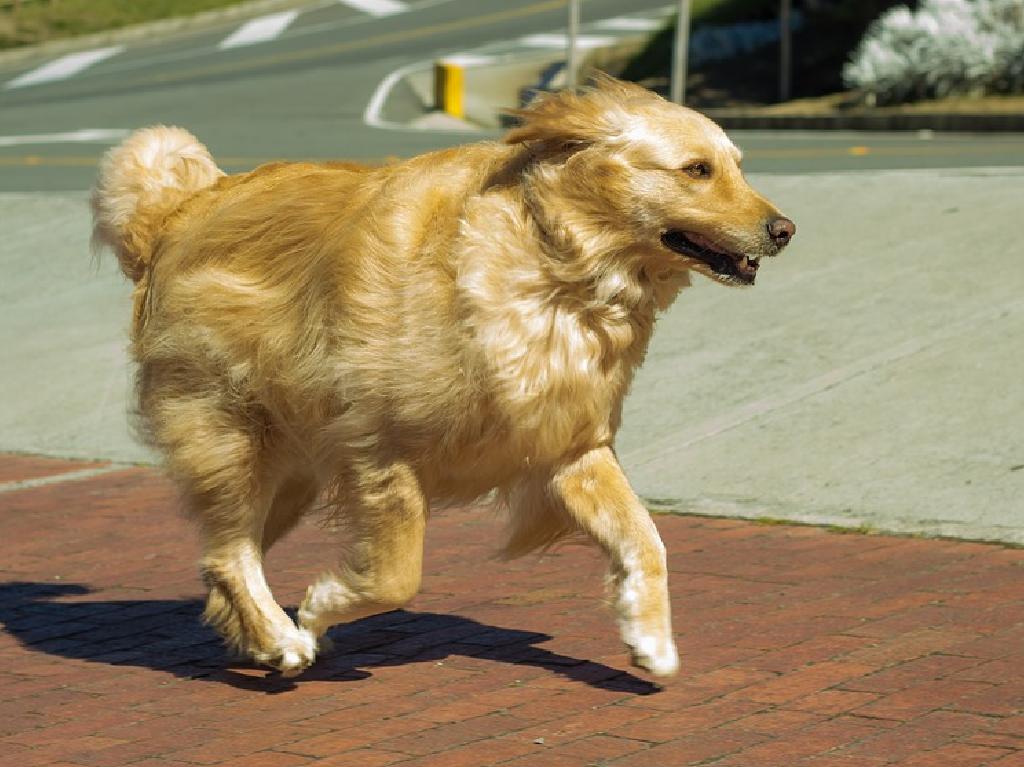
871,380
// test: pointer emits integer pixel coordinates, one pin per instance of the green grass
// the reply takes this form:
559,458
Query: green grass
37,21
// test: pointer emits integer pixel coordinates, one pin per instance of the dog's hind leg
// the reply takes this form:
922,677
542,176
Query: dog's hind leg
594,492
225,471
240,605
294,498
384,512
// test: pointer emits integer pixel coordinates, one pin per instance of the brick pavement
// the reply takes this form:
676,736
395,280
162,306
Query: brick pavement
801,648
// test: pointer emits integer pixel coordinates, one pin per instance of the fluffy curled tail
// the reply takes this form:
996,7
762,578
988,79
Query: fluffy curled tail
141,182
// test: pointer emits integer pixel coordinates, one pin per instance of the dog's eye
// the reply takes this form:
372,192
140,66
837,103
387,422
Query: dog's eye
698,170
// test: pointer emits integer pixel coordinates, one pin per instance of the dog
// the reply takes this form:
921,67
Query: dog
374,340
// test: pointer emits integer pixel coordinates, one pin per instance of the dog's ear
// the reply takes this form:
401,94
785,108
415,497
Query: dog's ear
563,118
566,121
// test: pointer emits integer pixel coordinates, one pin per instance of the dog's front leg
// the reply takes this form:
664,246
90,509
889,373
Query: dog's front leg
597,495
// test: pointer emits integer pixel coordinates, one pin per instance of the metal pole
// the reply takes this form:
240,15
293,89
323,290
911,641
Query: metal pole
785,51
570,52
679,52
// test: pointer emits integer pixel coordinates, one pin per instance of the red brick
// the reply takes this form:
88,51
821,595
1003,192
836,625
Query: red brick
363,757
800,649
596,748
804,681
691,750
811,741
670,726
777,722
836,760
994,700
1015,759
543,759
955,755
267,759
924,734
445,736
489,751
927,696
913,672
18,468
832,701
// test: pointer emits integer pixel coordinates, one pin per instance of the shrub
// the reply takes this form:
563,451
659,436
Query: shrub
830,31
946,47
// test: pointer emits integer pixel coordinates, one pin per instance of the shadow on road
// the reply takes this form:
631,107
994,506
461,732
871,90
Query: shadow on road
168,635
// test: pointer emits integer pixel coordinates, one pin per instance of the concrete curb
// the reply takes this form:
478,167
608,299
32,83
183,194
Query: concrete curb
897,121
150,29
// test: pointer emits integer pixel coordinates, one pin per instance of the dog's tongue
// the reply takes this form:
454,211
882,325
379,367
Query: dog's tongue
704,242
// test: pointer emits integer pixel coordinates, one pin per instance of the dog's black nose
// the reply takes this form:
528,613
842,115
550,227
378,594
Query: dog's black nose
781,230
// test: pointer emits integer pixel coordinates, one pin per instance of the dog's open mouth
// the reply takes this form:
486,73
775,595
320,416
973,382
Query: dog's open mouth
731,267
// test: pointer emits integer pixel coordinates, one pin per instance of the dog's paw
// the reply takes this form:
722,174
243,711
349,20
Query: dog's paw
293,653
656,655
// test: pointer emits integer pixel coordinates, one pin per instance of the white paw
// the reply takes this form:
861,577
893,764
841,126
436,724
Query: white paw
655,654
294,653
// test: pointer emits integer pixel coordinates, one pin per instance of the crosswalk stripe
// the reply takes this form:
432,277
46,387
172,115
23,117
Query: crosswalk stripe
84,136
377,7
560,40
259,30
64,67
630,24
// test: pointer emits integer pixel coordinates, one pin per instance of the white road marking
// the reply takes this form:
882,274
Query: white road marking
372,116
630,24
377,7
84,136
64,67
560,40
259,30
467,59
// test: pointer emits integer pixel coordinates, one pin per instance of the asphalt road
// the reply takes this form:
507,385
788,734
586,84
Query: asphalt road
304,95
872,377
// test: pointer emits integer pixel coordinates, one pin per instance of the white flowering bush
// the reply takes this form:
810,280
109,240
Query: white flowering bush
945,47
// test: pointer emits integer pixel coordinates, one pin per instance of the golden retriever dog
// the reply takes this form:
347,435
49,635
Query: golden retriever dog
372,341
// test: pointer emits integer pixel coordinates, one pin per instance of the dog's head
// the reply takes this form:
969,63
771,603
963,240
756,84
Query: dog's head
665,178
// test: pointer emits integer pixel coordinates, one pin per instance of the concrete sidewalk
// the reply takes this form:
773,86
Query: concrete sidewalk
871,379
801,648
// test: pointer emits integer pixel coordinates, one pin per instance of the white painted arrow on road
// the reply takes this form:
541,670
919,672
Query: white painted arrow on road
64,67
377,7
84,136
259,30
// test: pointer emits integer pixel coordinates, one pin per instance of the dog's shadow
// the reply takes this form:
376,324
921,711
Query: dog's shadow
168,635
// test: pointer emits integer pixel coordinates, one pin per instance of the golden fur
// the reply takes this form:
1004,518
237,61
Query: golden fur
386,338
